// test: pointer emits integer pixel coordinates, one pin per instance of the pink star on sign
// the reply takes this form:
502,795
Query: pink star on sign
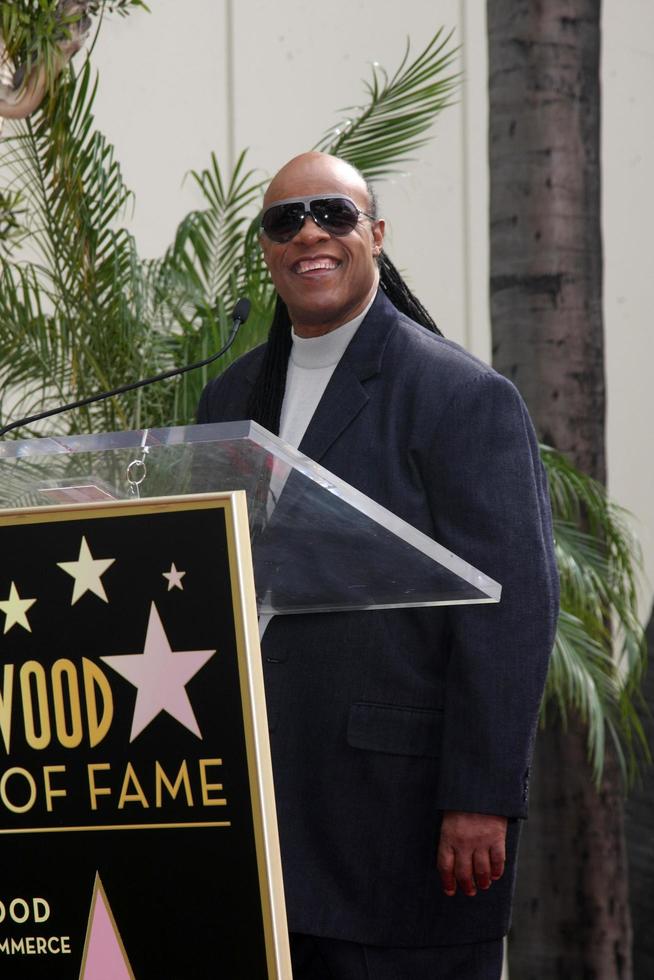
174,577
161,675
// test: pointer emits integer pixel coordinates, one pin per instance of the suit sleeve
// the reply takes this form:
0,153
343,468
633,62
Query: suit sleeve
203,414
489,502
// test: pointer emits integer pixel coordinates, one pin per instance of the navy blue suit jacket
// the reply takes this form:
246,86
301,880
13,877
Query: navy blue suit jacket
381,720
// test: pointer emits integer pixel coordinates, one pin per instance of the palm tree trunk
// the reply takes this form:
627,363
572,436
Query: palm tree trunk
640,808
571,913
546,246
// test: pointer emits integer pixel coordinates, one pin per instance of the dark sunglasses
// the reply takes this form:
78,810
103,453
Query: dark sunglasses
336,215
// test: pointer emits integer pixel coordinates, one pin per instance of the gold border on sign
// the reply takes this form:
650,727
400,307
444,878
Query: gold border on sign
253,703
253,700
116,826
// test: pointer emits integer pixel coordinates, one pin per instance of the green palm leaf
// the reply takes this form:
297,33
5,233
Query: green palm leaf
83,290
33,31
600,651
394,122
212,262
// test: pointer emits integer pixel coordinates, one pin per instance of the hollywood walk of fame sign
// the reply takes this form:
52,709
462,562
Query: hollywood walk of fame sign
136,809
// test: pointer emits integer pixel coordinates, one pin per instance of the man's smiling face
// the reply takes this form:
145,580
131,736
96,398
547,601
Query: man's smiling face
324,280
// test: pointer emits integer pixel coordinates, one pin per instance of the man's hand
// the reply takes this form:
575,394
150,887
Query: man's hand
471,851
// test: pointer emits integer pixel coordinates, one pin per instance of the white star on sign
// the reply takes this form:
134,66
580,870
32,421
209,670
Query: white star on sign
161,675
15,610
87,572
174,578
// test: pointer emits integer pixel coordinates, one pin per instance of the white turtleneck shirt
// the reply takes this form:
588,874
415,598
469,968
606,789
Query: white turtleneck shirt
311,364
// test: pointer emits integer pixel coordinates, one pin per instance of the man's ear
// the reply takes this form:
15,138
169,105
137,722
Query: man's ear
264,244
378,228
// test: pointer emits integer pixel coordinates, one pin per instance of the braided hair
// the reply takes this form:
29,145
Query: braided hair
267,396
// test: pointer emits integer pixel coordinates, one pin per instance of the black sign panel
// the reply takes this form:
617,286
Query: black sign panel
129,821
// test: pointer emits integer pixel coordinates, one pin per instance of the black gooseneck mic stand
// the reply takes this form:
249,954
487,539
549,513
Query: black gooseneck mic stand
239,316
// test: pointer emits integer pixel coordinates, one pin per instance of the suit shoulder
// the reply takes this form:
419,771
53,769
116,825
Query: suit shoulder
225,397
436,379
437,353
246,366
440,369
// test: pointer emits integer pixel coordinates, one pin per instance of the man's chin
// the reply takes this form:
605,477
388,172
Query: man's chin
325,308
315,323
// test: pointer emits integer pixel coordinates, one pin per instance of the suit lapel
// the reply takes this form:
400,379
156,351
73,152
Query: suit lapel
346,396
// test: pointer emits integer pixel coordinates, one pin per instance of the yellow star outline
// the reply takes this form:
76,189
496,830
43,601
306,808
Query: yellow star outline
87,572
15,610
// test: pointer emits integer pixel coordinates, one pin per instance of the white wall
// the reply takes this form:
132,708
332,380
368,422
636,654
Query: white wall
628,204
271,77
162,102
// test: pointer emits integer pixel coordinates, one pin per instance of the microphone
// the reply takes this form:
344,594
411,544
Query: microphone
239,316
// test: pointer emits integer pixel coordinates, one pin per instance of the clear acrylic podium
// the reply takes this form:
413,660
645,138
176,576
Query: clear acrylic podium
318,544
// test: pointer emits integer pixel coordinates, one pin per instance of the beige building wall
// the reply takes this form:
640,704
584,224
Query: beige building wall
271,77
628,223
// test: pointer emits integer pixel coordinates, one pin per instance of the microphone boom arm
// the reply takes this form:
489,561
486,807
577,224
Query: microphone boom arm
239,316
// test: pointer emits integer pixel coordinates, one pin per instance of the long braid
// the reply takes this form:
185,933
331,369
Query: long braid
401,296
394,285
265,404
267,396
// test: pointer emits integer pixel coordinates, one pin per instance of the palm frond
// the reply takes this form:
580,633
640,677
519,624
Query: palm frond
12,215
598,554
208,246
32,33
83,271
211,263
598,560
394,122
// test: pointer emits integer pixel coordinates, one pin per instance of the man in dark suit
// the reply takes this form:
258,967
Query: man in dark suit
401,739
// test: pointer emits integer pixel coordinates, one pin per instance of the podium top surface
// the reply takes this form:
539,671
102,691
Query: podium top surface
318,544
